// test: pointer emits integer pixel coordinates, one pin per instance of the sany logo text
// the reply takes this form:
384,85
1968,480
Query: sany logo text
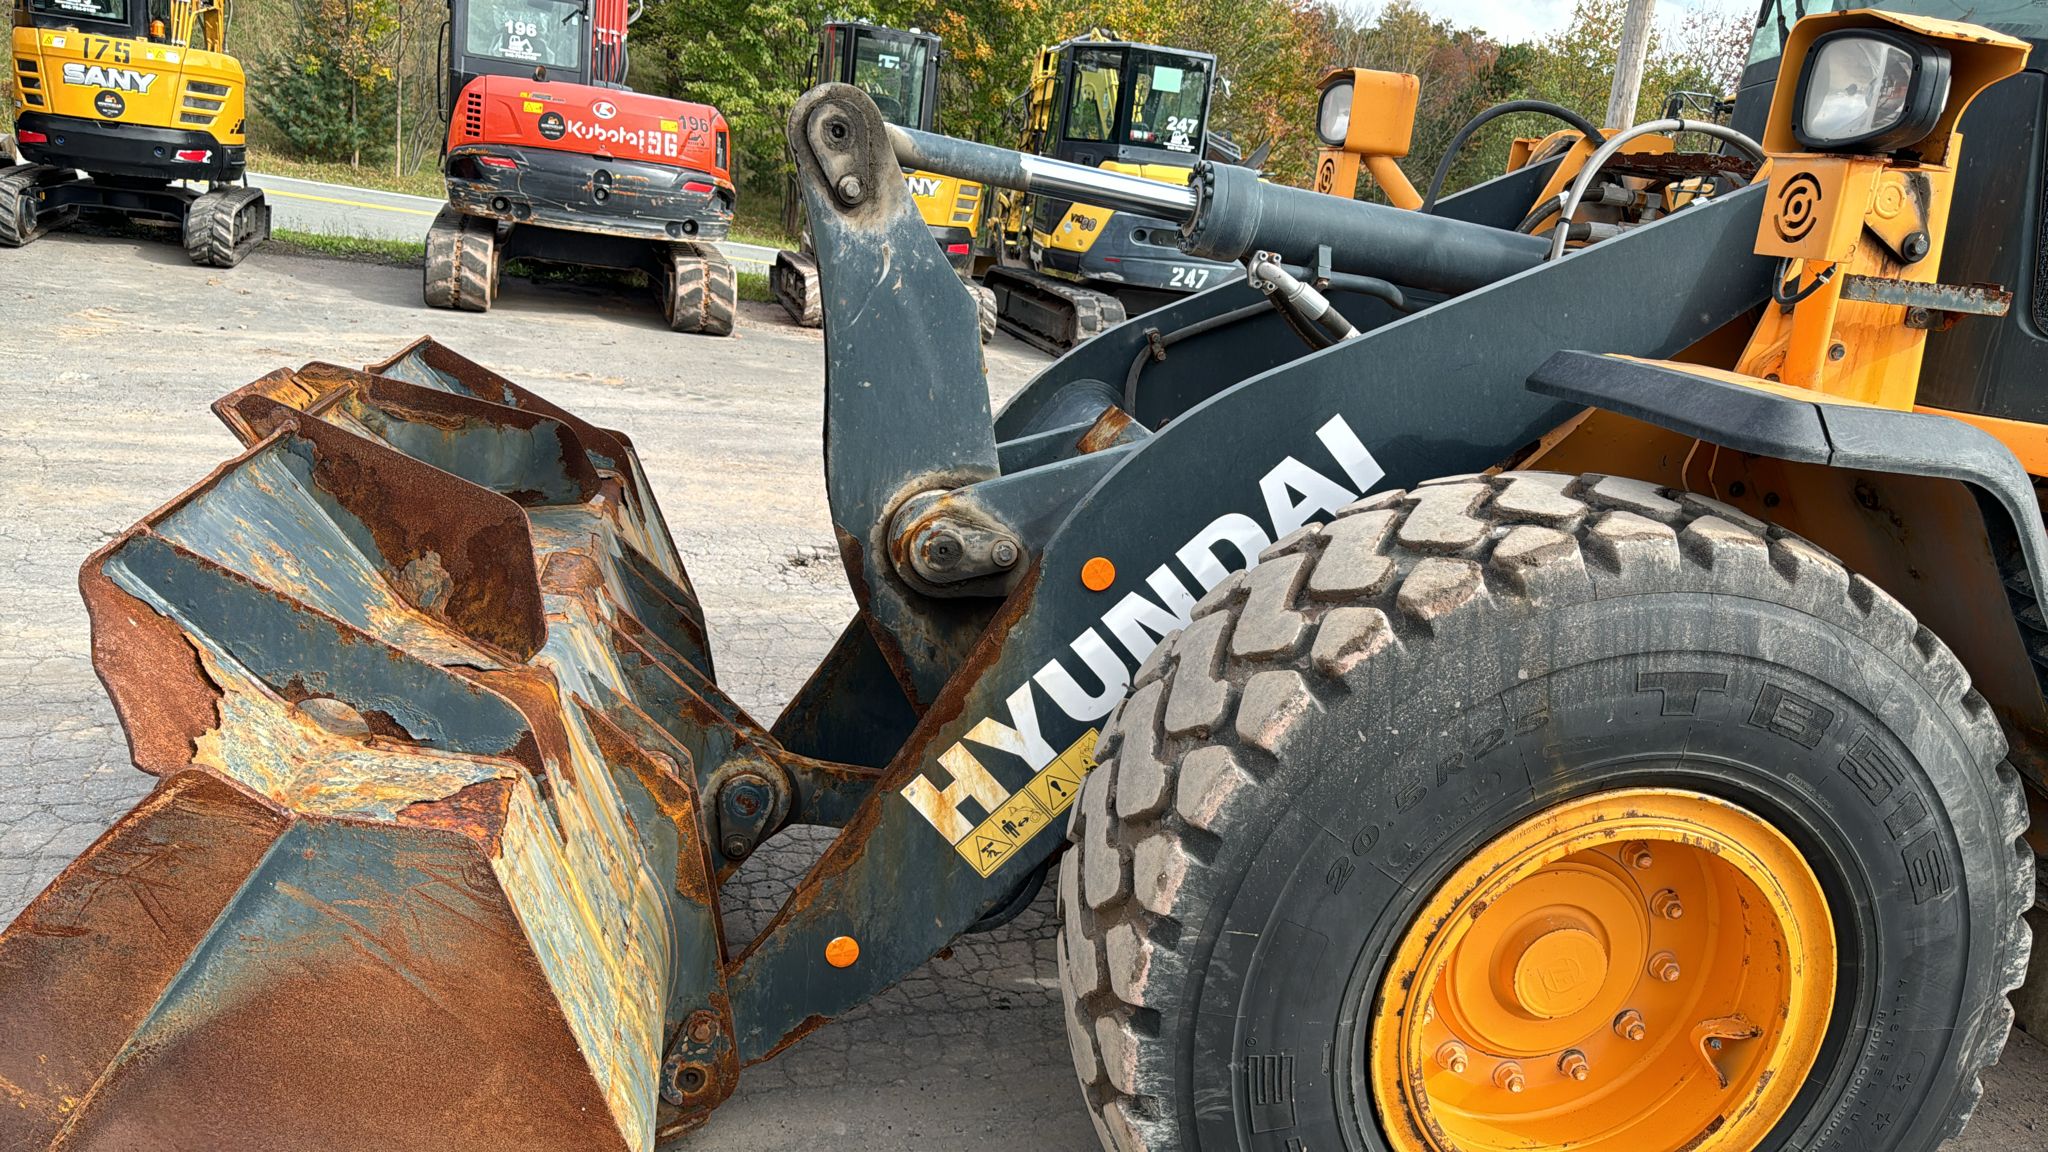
100,76
1293,492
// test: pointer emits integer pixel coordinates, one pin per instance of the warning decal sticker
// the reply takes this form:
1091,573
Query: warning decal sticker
1030,809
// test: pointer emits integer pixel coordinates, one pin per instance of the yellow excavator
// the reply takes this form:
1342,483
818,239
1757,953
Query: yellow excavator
1064,270
900,70
131,107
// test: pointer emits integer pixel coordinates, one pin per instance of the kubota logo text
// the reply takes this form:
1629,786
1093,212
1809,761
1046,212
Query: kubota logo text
1293,492
100,76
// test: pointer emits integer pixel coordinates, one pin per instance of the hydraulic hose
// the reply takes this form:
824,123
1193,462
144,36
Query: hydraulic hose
1606,152
1443,166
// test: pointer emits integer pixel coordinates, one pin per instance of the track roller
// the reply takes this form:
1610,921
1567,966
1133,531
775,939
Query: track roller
463,262
1050,313
22,218
700,292
226,224
794,277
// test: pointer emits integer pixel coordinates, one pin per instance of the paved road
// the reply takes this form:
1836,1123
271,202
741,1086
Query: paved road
343,210
103,396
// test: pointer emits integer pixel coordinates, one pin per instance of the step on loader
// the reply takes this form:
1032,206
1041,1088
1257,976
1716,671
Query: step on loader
131,109
1491,690
900,70
551,158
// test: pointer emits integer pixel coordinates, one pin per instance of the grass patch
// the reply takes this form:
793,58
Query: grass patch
425,182
398,253
754,287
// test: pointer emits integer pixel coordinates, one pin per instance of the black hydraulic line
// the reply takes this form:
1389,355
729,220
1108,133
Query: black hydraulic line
1443,166
1169,339
1350,282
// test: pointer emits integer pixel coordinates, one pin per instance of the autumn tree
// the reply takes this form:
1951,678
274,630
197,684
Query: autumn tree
328,90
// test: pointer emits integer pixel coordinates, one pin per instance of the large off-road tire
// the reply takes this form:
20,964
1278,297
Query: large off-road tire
701,292
1370,709
463,262
224,225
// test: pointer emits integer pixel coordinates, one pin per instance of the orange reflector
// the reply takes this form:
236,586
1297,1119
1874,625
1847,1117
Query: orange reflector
842,951
1098,574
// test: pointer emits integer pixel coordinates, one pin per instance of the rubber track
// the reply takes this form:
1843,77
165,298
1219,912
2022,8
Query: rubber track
1089,313
1196,742
794,277
984,310
13,181
462,265
702,290
225,225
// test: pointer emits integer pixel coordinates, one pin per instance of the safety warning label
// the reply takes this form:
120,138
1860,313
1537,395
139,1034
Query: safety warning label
1029,809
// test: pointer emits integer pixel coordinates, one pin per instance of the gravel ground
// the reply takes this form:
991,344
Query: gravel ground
110,351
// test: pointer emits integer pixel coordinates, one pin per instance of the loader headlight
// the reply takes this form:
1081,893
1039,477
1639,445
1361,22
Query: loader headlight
1333,118
1864,90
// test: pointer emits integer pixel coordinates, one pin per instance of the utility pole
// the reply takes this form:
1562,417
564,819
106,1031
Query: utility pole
1628,63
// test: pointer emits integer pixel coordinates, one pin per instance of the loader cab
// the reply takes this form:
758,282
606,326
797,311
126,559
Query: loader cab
533,39
1128,103
899,69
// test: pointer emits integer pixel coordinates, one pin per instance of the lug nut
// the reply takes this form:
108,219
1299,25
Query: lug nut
1629,1026
1573,1064
1509,1076
736,847
1636,854
1004,553
1452,1057
1664,966
1667,904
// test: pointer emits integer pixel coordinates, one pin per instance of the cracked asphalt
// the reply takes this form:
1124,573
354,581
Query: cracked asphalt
112,348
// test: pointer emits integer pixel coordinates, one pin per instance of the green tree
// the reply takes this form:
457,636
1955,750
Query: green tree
329,90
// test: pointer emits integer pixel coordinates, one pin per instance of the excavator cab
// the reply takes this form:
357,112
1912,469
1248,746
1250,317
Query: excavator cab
1065,270
124,106
899,70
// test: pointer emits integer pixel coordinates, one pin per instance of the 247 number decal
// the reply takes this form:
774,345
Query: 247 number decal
1185,277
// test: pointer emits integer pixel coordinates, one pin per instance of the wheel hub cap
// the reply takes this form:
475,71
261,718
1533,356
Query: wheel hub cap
1640,971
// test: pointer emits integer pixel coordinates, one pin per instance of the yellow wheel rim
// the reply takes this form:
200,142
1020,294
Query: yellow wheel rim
1640,971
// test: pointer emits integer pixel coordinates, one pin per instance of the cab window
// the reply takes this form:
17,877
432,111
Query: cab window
892,71
1168,95
110,11
1091,105
540,32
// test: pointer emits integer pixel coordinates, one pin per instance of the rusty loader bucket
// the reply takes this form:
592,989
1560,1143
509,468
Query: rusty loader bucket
426,686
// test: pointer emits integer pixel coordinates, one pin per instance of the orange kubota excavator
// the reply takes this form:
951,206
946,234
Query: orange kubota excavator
551,158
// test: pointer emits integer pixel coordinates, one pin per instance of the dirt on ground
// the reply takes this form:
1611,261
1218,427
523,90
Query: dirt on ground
110,351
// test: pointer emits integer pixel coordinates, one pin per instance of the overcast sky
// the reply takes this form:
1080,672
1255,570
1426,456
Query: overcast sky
1513,20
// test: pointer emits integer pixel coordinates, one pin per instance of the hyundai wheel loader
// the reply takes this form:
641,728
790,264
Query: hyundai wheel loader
1481,689
900,70
551,158
1064,269
132,108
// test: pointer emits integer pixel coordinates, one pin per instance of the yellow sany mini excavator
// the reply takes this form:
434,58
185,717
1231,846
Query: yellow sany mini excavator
131,107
